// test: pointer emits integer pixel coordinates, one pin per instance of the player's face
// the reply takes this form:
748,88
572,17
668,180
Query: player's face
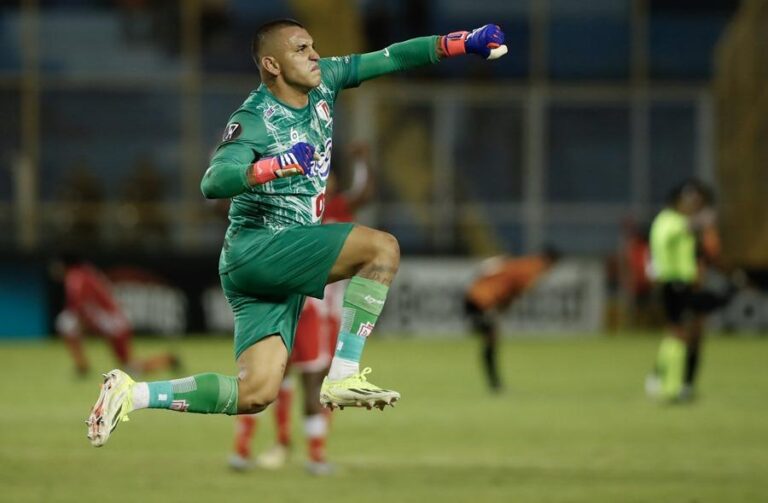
299,61
691,203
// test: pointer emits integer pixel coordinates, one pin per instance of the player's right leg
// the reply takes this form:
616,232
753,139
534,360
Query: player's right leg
261,368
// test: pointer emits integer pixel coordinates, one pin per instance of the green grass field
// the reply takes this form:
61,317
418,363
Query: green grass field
573,426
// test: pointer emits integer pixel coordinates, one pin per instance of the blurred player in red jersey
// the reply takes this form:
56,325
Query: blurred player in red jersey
502,280
634,263
89,306
314,347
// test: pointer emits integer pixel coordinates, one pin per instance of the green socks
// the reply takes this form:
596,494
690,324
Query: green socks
671,367
201,393
363,302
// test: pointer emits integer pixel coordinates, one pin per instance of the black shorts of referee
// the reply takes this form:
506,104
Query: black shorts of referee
681,299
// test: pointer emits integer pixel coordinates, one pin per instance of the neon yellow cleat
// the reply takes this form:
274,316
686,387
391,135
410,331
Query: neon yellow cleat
356,391
113,405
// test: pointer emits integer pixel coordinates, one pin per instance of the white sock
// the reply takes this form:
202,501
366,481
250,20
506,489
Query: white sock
140,396
341,368
315,426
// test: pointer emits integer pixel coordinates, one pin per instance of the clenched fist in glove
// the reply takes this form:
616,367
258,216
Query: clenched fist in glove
486,41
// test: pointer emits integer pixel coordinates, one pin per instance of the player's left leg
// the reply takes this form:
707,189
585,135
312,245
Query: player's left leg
371,259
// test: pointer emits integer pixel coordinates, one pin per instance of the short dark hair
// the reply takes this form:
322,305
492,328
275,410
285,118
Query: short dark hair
264,30
691,185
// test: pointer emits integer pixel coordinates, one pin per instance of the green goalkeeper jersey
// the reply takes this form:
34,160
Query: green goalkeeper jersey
263,126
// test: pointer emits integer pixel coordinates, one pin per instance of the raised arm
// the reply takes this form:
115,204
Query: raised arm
486,41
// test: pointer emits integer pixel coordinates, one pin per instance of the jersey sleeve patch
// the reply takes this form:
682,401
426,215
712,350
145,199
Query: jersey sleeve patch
232,131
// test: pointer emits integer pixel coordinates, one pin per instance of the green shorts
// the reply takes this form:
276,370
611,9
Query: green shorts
267,291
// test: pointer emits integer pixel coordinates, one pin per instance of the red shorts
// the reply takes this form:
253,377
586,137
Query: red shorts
316,333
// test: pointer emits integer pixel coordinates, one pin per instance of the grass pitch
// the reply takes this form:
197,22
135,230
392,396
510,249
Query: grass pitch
573,426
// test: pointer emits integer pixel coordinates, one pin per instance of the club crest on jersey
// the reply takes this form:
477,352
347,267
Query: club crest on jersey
365,329
233,131
324,112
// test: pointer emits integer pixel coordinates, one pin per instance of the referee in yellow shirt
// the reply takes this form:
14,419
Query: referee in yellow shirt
675,269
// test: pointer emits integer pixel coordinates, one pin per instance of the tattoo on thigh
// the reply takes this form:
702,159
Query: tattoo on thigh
379,273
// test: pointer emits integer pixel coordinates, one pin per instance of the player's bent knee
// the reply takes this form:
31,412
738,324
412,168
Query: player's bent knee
388,248
256,393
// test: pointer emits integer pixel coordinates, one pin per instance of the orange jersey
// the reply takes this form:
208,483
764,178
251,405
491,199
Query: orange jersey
498,286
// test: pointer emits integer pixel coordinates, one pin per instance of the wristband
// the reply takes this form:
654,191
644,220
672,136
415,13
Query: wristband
265,170
453,43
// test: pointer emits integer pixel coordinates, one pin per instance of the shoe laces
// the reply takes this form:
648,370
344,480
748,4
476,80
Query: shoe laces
363,373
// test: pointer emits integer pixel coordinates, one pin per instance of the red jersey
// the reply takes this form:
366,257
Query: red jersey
337,210
88,291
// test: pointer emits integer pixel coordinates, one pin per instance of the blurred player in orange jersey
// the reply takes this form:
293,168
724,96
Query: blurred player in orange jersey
502,280
313,350
89,306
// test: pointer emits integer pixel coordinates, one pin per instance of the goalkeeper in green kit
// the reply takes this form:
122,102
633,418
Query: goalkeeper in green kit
273,163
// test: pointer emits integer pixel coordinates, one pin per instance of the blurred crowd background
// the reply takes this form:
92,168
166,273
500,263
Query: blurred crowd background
111,109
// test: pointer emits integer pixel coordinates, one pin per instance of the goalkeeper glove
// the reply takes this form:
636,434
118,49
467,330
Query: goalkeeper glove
297,160
486,41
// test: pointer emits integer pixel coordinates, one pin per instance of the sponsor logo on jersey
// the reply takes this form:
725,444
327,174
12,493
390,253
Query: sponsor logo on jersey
324,112
322,167
270,111
294,136
365,329
372,300
233,131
